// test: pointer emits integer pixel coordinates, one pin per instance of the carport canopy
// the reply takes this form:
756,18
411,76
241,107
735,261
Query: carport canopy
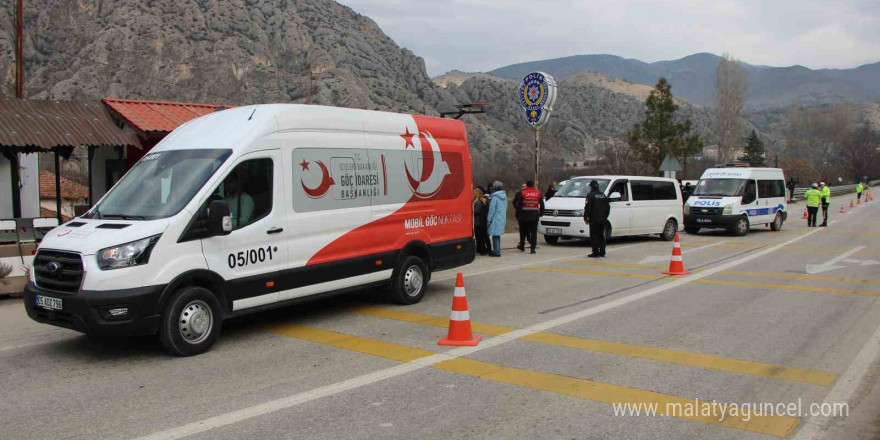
32,126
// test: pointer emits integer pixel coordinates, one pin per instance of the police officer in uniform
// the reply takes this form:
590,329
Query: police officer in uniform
529,205
596,212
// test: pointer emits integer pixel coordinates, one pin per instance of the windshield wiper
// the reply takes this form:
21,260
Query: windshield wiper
124,216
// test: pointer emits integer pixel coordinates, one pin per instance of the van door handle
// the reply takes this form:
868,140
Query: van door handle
274,230
628,204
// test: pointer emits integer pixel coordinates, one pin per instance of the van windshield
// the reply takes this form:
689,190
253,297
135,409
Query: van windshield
159,185
580,187
720,187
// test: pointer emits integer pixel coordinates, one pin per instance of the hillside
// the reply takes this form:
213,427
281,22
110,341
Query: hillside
259,51
693,79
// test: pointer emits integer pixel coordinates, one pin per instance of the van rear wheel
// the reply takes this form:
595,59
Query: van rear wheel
409,281
191,322
669,230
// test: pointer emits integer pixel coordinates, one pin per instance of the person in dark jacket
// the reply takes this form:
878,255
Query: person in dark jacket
551,191
596,211
517,198
686,192
481,212
530,206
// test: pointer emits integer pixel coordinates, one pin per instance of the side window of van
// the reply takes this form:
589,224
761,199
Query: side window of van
620,186
771,188
248,191
750,194
652,190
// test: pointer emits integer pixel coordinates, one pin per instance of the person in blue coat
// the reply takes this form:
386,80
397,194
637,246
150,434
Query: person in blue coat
497,217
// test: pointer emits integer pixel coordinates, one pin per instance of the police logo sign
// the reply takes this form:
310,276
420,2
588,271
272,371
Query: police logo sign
537,93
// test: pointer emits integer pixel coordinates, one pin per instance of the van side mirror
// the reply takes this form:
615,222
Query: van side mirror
219,220
615,197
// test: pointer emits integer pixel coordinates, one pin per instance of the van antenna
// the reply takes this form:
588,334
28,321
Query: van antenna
252,113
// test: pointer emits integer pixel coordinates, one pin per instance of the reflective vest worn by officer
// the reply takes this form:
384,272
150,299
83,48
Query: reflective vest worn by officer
859,188
531,205
826,195
813,196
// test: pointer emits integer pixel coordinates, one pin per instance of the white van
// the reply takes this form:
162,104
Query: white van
737,198
639,206
257,207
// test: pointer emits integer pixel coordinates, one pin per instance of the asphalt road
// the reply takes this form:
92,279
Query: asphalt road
566,341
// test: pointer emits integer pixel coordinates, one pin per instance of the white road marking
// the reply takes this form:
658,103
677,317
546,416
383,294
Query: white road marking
843,390
399,370
658,258
831,264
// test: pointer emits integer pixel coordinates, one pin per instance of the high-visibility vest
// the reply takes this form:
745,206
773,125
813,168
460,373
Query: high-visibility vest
812,195
531,199
826,194
859,188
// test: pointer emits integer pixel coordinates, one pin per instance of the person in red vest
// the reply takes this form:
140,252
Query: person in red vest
530,205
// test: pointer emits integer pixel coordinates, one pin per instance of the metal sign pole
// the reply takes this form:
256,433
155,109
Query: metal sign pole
537,153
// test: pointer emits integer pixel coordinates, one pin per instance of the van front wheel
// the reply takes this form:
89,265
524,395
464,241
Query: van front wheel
777,223
191,322
669,230
742,227
409,281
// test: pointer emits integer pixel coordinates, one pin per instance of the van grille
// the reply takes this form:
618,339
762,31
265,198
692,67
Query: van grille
67,274
697,210
561,213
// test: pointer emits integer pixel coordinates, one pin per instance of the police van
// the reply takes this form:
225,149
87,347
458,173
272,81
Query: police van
736,199
639,206
257,207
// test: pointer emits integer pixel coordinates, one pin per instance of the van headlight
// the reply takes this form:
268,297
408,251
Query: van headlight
728,210
579,213
128,254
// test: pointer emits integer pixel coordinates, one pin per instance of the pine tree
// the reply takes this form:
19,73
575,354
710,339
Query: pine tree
659,134
754,153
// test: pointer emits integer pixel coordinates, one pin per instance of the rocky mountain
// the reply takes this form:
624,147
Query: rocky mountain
258,51
693,78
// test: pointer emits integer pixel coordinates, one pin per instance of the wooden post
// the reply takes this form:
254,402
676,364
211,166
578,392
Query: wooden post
58,187
91,158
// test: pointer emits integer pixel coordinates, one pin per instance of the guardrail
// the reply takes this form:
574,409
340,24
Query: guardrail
835,190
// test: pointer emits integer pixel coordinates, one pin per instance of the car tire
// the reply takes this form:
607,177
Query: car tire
191,322
693,230
551,239
669,230
741,228
410,280
777,223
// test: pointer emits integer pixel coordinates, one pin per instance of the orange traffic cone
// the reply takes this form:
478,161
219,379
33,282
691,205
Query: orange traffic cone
842,211
851,204
858,201
460,322
676,265
805,216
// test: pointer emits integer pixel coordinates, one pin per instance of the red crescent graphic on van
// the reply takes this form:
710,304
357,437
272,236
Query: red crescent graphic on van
326,182
432,166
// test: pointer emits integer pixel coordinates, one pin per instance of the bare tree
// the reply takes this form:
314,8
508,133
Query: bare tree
617,157
861,151
731,88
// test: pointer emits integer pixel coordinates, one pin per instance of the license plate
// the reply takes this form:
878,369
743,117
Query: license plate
48,302
704,220
554,231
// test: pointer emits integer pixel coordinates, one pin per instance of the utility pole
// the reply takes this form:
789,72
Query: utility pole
19,94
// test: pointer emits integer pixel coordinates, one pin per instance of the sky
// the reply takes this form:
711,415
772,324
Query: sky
481,35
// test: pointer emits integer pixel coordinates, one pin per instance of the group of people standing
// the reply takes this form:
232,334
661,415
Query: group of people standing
818,195
490,216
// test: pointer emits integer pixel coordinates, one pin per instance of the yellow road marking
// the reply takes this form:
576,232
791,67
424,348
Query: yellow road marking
431,320
797,276
710,362
779,426
594,272
816,377
373,347
799,287
780,275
